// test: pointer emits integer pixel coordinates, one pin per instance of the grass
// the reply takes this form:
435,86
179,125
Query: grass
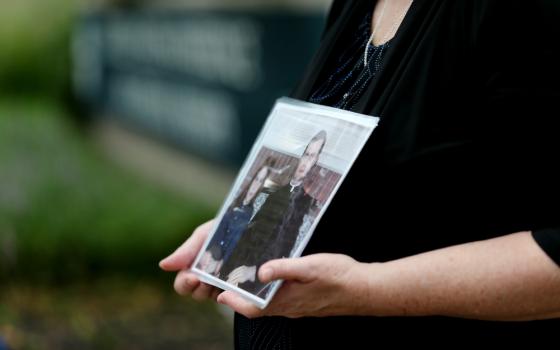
109,314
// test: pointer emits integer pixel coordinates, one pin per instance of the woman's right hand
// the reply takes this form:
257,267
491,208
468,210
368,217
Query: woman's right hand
181,260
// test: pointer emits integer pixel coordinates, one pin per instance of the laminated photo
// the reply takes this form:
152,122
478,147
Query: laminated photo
293,171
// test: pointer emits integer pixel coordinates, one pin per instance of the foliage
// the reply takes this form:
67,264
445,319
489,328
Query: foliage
65,211
34,46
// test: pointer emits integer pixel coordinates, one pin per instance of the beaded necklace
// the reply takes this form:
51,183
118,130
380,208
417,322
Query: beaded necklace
343,88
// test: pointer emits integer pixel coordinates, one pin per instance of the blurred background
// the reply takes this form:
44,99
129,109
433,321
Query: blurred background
122,126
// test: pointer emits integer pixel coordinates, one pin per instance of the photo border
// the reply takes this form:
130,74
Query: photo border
282,104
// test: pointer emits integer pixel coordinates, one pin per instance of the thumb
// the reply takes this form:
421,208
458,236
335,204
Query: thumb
180,259
184,256
299,269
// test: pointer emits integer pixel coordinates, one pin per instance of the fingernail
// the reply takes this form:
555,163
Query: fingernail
266,273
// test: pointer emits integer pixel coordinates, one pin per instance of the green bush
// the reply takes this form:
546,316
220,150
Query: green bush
34,46
69,213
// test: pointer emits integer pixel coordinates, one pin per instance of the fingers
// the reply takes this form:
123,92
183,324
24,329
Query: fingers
203,291
299,269
215,293
187,283
240,305
184,256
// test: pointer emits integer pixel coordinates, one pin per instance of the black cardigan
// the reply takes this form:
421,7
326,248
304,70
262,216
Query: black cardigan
469,135
465,150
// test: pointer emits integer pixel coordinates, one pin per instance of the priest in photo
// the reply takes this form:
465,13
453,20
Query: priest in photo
274,229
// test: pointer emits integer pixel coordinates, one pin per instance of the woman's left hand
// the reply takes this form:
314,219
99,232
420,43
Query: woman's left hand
315,285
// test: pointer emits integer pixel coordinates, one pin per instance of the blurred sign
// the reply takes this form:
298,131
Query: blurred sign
202,80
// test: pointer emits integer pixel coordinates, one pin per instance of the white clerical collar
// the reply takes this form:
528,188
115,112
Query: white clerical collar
294,184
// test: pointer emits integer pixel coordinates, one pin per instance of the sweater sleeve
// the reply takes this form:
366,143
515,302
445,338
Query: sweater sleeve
521,94
549,241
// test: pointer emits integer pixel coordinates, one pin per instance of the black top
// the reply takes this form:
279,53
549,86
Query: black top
466,149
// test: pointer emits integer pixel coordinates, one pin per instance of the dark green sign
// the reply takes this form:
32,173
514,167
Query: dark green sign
204,81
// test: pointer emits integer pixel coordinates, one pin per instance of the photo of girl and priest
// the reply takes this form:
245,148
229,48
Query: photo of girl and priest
272,212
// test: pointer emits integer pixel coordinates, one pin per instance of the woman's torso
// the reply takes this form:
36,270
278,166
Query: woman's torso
453,159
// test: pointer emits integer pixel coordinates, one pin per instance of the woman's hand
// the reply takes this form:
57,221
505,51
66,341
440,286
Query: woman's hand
181,260
242,274
315,285
508,278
